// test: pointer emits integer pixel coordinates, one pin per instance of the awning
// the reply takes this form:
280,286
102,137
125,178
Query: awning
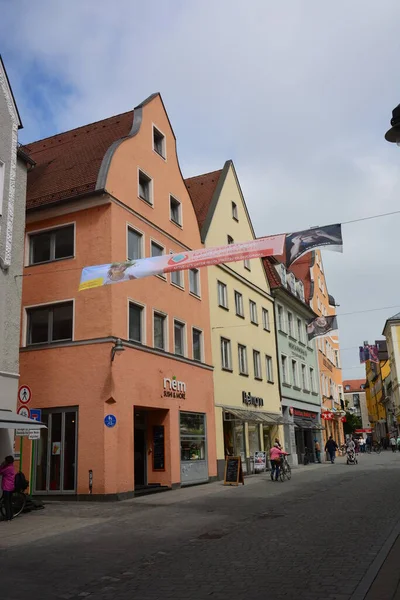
254,416
11,420
301,423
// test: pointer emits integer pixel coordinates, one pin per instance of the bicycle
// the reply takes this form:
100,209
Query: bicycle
18,504
376,447
285,472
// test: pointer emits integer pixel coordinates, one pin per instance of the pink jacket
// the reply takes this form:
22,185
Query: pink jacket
7,482
275,453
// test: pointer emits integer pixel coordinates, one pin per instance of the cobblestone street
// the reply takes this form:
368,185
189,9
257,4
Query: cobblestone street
323,535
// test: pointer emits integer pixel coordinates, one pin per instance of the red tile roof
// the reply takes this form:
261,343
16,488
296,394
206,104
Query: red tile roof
201,189
301,270
355,385
272,276
68,164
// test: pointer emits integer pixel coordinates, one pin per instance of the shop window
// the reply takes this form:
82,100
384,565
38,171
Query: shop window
222,295
136,323
145,187
242,353
52,323
158,142
50,245
235,212
270,372
239,304
197,344
194,282
193,436
226,354
265,319
253,312
175,211
179,338
257,364
160,321
135,244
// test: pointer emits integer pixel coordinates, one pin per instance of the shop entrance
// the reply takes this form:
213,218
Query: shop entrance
55,453
304,439
140,448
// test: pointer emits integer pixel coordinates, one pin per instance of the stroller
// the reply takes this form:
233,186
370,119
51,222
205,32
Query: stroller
351,456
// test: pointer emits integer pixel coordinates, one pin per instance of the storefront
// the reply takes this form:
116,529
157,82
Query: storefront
302,428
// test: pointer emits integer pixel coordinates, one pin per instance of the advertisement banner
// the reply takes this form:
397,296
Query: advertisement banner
260,461
301,242
369,352
194,259
321,326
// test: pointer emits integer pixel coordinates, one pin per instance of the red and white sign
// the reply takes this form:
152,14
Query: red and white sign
366,430
304,413
24,394
327,416
23,411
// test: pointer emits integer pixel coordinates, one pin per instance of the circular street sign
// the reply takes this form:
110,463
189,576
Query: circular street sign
24,394
110,420
23,411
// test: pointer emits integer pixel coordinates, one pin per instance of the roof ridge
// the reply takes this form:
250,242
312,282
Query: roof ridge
76,128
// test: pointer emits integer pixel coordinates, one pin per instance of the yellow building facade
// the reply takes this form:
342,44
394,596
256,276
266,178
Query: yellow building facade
246,385
376,373
392,334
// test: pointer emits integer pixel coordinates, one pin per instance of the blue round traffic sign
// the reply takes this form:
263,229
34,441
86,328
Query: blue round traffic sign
110,420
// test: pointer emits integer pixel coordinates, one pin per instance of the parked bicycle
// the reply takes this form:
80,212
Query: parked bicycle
376,447
18,504
285,472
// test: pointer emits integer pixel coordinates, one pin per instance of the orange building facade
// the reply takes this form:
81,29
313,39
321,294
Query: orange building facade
122,373
310,269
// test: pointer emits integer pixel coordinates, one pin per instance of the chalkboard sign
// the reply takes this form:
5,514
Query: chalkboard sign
158,448
233,471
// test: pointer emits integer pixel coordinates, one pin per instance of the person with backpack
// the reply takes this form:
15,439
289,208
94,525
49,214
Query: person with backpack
7,472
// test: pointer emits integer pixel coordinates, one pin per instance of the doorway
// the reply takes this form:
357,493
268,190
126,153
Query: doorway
55,453
140,448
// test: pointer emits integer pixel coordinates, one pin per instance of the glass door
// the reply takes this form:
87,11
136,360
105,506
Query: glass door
55,453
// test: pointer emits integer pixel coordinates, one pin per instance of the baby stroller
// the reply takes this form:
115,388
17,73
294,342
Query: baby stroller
351,456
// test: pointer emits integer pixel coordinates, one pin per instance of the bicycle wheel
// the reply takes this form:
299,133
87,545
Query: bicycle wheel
378,449
2,508
288,472
18,503
282,475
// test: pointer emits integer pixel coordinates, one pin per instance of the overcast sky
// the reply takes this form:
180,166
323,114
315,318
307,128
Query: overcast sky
298,93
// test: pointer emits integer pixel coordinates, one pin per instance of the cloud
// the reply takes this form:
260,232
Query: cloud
298,94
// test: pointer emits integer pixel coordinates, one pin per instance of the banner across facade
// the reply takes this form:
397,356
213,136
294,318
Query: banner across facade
369,352
100,275
321,326
301,242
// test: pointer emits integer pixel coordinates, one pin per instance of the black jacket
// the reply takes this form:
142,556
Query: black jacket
331,446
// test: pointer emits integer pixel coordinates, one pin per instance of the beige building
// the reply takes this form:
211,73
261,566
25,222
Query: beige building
391,332
246,386
355,399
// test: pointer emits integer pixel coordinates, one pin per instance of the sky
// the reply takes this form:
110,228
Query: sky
298,94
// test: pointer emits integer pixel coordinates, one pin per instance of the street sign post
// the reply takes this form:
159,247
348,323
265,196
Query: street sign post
34,434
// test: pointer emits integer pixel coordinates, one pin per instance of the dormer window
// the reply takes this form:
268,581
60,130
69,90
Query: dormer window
283,274
159,142
300,290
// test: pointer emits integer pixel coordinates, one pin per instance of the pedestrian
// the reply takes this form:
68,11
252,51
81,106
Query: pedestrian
275,457
398,442
317,451
362,445
331,447
7,484
277,442
393,443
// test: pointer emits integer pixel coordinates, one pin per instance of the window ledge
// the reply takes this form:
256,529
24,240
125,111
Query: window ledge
248,269
271,382
244,374
48,262
306,391
265,329
177,224
227,369
162,277
194,295
160,155
297,388
254,323
293,338
178,287
240,316
283,332
235,219
146,202
302,344
258,378
224,307
286,384
315,393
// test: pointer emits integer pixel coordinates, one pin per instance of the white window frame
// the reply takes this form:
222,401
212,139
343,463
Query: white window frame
312,380
163,156
229,354
180,286
198,281
243,368
286,380
222,285
142,244
235,213
300,330
294,372
151,183
166,329
281,318
201,344
2,180
305,383
290,323
27,254
157,243
43,305
269,366
247,264
143,320
180,224
180,322
257,355
239,295
253,317
265,321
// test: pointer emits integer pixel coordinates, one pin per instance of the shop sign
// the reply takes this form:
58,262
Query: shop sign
174,388
297,350
250,400
304,413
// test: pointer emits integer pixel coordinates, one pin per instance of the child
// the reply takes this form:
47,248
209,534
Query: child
7,484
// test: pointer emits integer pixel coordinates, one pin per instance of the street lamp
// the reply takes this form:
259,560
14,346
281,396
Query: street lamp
117,348
393,134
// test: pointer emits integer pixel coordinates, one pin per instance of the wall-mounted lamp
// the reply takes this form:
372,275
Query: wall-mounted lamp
117,348
393,135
